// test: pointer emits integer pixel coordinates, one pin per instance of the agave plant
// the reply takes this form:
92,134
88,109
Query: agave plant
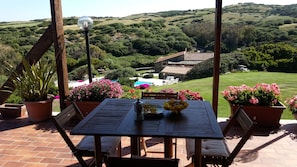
33,82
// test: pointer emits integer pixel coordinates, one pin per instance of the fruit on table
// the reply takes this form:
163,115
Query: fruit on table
175,106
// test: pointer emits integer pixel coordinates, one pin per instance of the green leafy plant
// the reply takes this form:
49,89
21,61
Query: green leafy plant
33,82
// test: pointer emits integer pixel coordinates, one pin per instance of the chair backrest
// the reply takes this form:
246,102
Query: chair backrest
69,114
141,161
247,125
159,95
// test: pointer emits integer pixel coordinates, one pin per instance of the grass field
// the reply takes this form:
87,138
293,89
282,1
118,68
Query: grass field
286,81
17,24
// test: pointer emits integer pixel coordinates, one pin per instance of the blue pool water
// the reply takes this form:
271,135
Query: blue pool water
137,83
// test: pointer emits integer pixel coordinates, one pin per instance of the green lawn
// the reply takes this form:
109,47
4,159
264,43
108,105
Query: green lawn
286,81
56,105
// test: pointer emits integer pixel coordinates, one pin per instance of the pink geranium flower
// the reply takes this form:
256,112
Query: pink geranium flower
292,104
261,94
96,91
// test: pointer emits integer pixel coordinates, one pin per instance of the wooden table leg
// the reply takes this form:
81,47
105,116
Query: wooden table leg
198,154
168,150
135,146
98,153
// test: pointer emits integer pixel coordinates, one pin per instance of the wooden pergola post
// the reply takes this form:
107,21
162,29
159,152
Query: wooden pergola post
60,50
217,52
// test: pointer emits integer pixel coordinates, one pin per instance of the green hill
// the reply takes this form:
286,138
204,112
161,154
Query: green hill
150,35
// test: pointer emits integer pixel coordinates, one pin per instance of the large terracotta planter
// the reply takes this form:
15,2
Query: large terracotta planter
40,110
265,116
85,106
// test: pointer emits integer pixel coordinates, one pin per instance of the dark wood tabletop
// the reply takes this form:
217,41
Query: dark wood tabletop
115,117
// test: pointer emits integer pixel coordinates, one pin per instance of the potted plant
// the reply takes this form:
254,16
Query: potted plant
261,102
292,105
32,84
87,97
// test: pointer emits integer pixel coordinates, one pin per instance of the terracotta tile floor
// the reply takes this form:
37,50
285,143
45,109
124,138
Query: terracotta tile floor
24,144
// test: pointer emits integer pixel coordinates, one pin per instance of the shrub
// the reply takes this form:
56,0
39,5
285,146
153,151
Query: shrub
96,91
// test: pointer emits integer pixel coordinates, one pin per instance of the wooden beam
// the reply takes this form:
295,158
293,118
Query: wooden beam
60,50
39,48
217,52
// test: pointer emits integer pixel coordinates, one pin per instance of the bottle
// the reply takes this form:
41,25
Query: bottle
138,110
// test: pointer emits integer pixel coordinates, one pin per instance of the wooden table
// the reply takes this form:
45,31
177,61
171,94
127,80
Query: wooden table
115,117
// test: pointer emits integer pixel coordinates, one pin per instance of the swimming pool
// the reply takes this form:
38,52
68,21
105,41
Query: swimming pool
138,83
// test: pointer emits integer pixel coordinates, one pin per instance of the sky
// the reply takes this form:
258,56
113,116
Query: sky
25,10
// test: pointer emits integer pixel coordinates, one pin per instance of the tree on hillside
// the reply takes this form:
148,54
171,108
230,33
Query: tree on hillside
201,33
8,55
230,38
247,36
151,46
121,73
81,73
96,52
75,51
272,57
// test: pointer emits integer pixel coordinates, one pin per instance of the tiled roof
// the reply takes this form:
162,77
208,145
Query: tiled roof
180,69
189,56
163,58
198,56
187,62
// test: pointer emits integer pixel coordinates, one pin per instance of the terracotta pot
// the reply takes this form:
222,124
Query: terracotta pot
40,110
265,116
85,106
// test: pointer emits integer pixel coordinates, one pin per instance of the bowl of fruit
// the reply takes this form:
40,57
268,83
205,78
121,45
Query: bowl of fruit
175,106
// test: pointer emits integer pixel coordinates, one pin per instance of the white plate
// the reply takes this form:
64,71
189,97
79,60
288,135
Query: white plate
158,111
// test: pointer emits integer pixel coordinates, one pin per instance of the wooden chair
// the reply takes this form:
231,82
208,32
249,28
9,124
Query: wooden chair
159,95
85,148
216,151
141,161
156,95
